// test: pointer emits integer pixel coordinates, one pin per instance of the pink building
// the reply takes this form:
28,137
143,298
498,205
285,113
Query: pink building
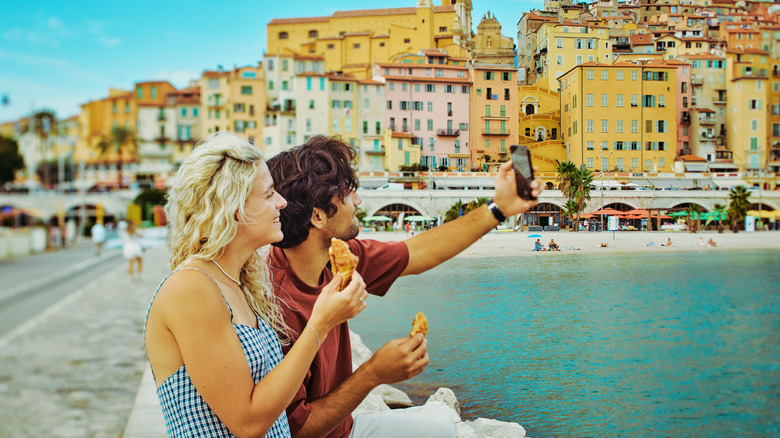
684,106
430,102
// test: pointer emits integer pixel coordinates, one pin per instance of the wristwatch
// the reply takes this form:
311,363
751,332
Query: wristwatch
493,207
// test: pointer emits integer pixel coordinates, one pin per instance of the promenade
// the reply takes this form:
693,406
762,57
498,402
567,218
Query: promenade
74,370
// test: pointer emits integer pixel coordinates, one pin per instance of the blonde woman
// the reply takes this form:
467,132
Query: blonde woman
213,328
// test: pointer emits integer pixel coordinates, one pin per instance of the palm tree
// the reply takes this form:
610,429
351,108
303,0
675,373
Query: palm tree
120,138
693,214
719,209
738,205
565,174
570,209
580,189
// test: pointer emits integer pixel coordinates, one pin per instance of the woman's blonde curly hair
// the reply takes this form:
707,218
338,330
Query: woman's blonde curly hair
209,192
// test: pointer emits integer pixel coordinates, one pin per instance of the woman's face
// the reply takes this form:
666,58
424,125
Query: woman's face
262,209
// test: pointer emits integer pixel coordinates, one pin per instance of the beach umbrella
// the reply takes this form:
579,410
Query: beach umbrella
376,219
764,214
534,235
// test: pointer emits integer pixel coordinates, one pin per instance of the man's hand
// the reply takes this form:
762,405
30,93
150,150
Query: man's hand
506,191
398,360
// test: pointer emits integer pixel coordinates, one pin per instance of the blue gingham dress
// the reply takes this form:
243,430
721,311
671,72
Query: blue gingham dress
187,414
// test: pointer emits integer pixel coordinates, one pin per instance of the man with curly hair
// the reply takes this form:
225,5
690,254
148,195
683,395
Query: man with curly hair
320,186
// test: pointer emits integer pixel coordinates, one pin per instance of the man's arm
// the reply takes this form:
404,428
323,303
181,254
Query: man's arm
398,360
433,247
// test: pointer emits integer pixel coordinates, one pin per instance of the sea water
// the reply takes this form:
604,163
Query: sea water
576,345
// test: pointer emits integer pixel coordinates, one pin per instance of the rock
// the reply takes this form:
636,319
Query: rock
360,353
393,397
372,404
485,427
446,396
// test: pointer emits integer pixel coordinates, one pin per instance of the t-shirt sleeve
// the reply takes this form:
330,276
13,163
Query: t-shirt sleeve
381,263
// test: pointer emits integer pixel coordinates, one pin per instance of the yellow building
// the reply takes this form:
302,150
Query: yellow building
620,116
233,100
400,149
96,120
351,41
539,127
749,94
494,113
561,46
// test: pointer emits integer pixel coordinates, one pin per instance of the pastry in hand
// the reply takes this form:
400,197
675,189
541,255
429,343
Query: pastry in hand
419,325
342,261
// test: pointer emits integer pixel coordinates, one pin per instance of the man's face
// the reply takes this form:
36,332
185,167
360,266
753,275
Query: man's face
344,225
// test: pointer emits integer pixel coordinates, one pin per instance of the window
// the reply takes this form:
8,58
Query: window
648,101
619,126
634,75
605,100
619,75
430,106
558,59
662,126
449,88
506,93
635,126
313,34
589,74
285,64
619,100
755,104
442,28
590,147
661,161
604,125
604,164
589,162
430,124
506,76
489,75
283,35
139,92
464,89
154,92
430,88
589,125
559,43
620,164
753,143
604,75
589,100
661,100
754,125
246,90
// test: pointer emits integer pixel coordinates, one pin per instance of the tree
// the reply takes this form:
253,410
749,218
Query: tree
565,175
738,206
693,214
459,208
120,138
10,159
580,189
570,209
720,210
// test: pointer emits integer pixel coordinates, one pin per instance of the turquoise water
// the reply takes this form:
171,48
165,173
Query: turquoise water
682,344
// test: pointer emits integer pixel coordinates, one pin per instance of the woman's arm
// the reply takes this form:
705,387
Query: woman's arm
195,314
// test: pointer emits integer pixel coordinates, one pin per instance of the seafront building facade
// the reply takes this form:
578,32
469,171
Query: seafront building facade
415,86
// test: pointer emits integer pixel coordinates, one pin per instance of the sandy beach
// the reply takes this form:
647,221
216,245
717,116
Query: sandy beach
520,244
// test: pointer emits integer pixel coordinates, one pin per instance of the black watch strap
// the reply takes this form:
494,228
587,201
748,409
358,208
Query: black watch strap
493,207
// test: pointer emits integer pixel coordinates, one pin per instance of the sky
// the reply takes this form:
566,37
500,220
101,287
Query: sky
60,54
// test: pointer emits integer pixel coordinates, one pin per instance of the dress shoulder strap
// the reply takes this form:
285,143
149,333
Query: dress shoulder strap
195,269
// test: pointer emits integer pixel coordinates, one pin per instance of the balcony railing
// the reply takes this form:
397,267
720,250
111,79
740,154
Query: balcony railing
706,120
496,132
448,132
380,151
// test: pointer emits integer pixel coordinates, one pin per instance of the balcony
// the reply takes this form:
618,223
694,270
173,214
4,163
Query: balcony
697,80
380,151
686,118
706,120
496,132
448,132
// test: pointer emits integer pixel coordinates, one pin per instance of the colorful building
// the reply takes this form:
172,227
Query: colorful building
620,116
494,114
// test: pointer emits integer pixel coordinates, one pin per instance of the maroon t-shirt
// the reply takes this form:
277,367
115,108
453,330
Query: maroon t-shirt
381,263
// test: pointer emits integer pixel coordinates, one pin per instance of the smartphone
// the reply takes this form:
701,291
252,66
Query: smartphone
524,172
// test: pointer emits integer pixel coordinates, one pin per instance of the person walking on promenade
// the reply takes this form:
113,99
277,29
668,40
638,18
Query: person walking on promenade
213,327
98,233
132,249
320,185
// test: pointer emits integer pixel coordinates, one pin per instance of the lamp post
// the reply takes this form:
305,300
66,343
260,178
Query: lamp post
601,157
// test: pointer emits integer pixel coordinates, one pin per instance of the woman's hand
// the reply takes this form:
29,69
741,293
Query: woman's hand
333,307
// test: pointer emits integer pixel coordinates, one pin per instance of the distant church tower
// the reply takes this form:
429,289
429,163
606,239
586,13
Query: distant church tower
461,25
490,47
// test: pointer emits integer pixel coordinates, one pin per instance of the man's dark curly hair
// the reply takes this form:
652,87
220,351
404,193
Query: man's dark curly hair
309,176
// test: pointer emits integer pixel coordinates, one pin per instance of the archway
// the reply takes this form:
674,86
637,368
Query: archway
543,215
549,186
619,206
394,212
541,133
529,109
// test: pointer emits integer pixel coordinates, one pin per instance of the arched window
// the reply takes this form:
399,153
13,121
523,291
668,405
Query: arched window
283,35
313,34
529,109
